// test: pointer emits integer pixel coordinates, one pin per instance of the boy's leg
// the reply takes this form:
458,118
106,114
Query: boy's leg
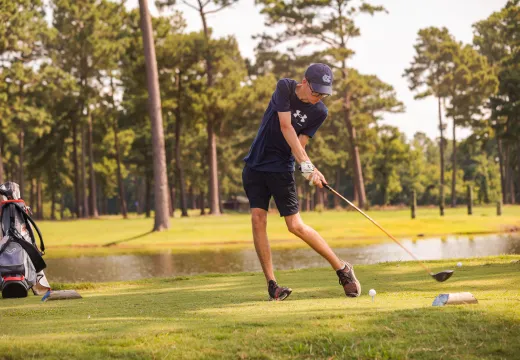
263,250
259,196
344,270
283,188
296,226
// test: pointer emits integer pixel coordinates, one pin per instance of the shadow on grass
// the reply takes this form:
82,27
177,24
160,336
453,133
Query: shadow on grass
128,239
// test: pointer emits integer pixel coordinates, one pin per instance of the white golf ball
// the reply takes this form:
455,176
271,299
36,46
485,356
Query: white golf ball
372,292
459,264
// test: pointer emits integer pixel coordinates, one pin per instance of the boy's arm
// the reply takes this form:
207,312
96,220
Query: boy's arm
297,144
292,139
304,139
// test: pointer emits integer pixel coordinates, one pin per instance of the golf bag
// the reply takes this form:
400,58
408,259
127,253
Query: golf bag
21,262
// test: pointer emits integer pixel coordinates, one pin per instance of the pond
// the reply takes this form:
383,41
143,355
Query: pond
132,267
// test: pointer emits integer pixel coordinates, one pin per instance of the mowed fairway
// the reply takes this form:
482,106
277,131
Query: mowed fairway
340,228
228,317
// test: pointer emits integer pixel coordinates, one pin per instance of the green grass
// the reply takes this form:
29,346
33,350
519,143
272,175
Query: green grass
233,231
227,317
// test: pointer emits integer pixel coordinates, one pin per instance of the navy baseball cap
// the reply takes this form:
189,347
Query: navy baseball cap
320,78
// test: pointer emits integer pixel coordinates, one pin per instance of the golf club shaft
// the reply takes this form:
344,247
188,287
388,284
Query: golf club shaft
376,224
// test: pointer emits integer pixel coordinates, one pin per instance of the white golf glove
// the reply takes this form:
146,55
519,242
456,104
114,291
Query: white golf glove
307,170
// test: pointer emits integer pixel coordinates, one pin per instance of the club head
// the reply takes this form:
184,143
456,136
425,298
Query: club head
442,276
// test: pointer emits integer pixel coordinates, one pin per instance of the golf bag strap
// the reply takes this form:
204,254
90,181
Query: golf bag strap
29,219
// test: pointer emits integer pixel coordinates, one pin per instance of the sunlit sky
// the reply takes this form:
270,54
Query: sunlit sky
385,47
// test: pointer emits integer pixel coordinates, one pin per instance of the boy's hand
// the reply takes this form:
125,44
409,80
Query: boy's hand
312,174
318,179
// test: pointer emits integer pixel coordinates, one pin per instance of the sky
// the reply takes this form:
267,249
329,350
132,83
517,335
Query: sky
385,47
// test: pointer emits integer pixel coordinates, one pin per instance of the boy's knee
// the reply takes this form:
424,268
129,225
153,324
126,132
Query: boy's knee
296,227
258,219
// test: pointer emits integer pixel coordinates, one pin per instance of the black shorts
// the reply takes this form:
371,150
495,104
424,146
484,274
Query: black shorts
261,185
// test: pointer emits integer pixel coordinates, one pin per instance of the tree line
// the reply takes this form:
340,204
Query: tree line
79,112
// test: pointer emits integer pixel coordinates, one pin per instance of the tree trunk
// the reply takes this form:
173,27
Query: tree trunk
219,192
120,184
32,203
202,205
7,173
162,219
384,191
307,196
318,198
518,164
470,200
171,183
441,147
178,157
501,164
20,166
508,177
193,204
354,151
62,206
84,193
356,194
172,198
140,195
512,185
39,200
147,196
414,203
53,203
93,191
337,204
100,199
214,207
1,160
76,168
104,204
325,196
454,173
170,160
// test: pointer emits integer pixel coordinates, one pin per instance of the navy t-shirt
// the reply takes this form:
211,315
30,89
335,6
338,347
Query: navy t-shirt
270,151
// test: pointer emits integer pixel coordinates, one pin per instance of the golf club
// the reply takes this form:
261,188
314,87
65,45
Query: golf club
440,276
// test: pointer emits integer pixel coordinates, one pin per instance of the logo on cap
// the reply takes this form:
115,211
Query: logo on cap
326,78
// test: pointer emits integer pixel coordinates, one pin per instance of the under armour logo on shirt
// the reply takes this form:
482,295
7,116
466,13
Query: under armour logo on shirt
302,116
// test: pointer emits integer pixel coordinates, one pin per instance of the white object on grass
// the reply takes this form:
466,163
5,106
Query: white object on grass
455,299
372,293
459,264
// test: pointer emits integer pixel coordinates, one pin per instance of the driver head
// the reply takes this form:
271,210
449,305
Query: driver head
443,275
